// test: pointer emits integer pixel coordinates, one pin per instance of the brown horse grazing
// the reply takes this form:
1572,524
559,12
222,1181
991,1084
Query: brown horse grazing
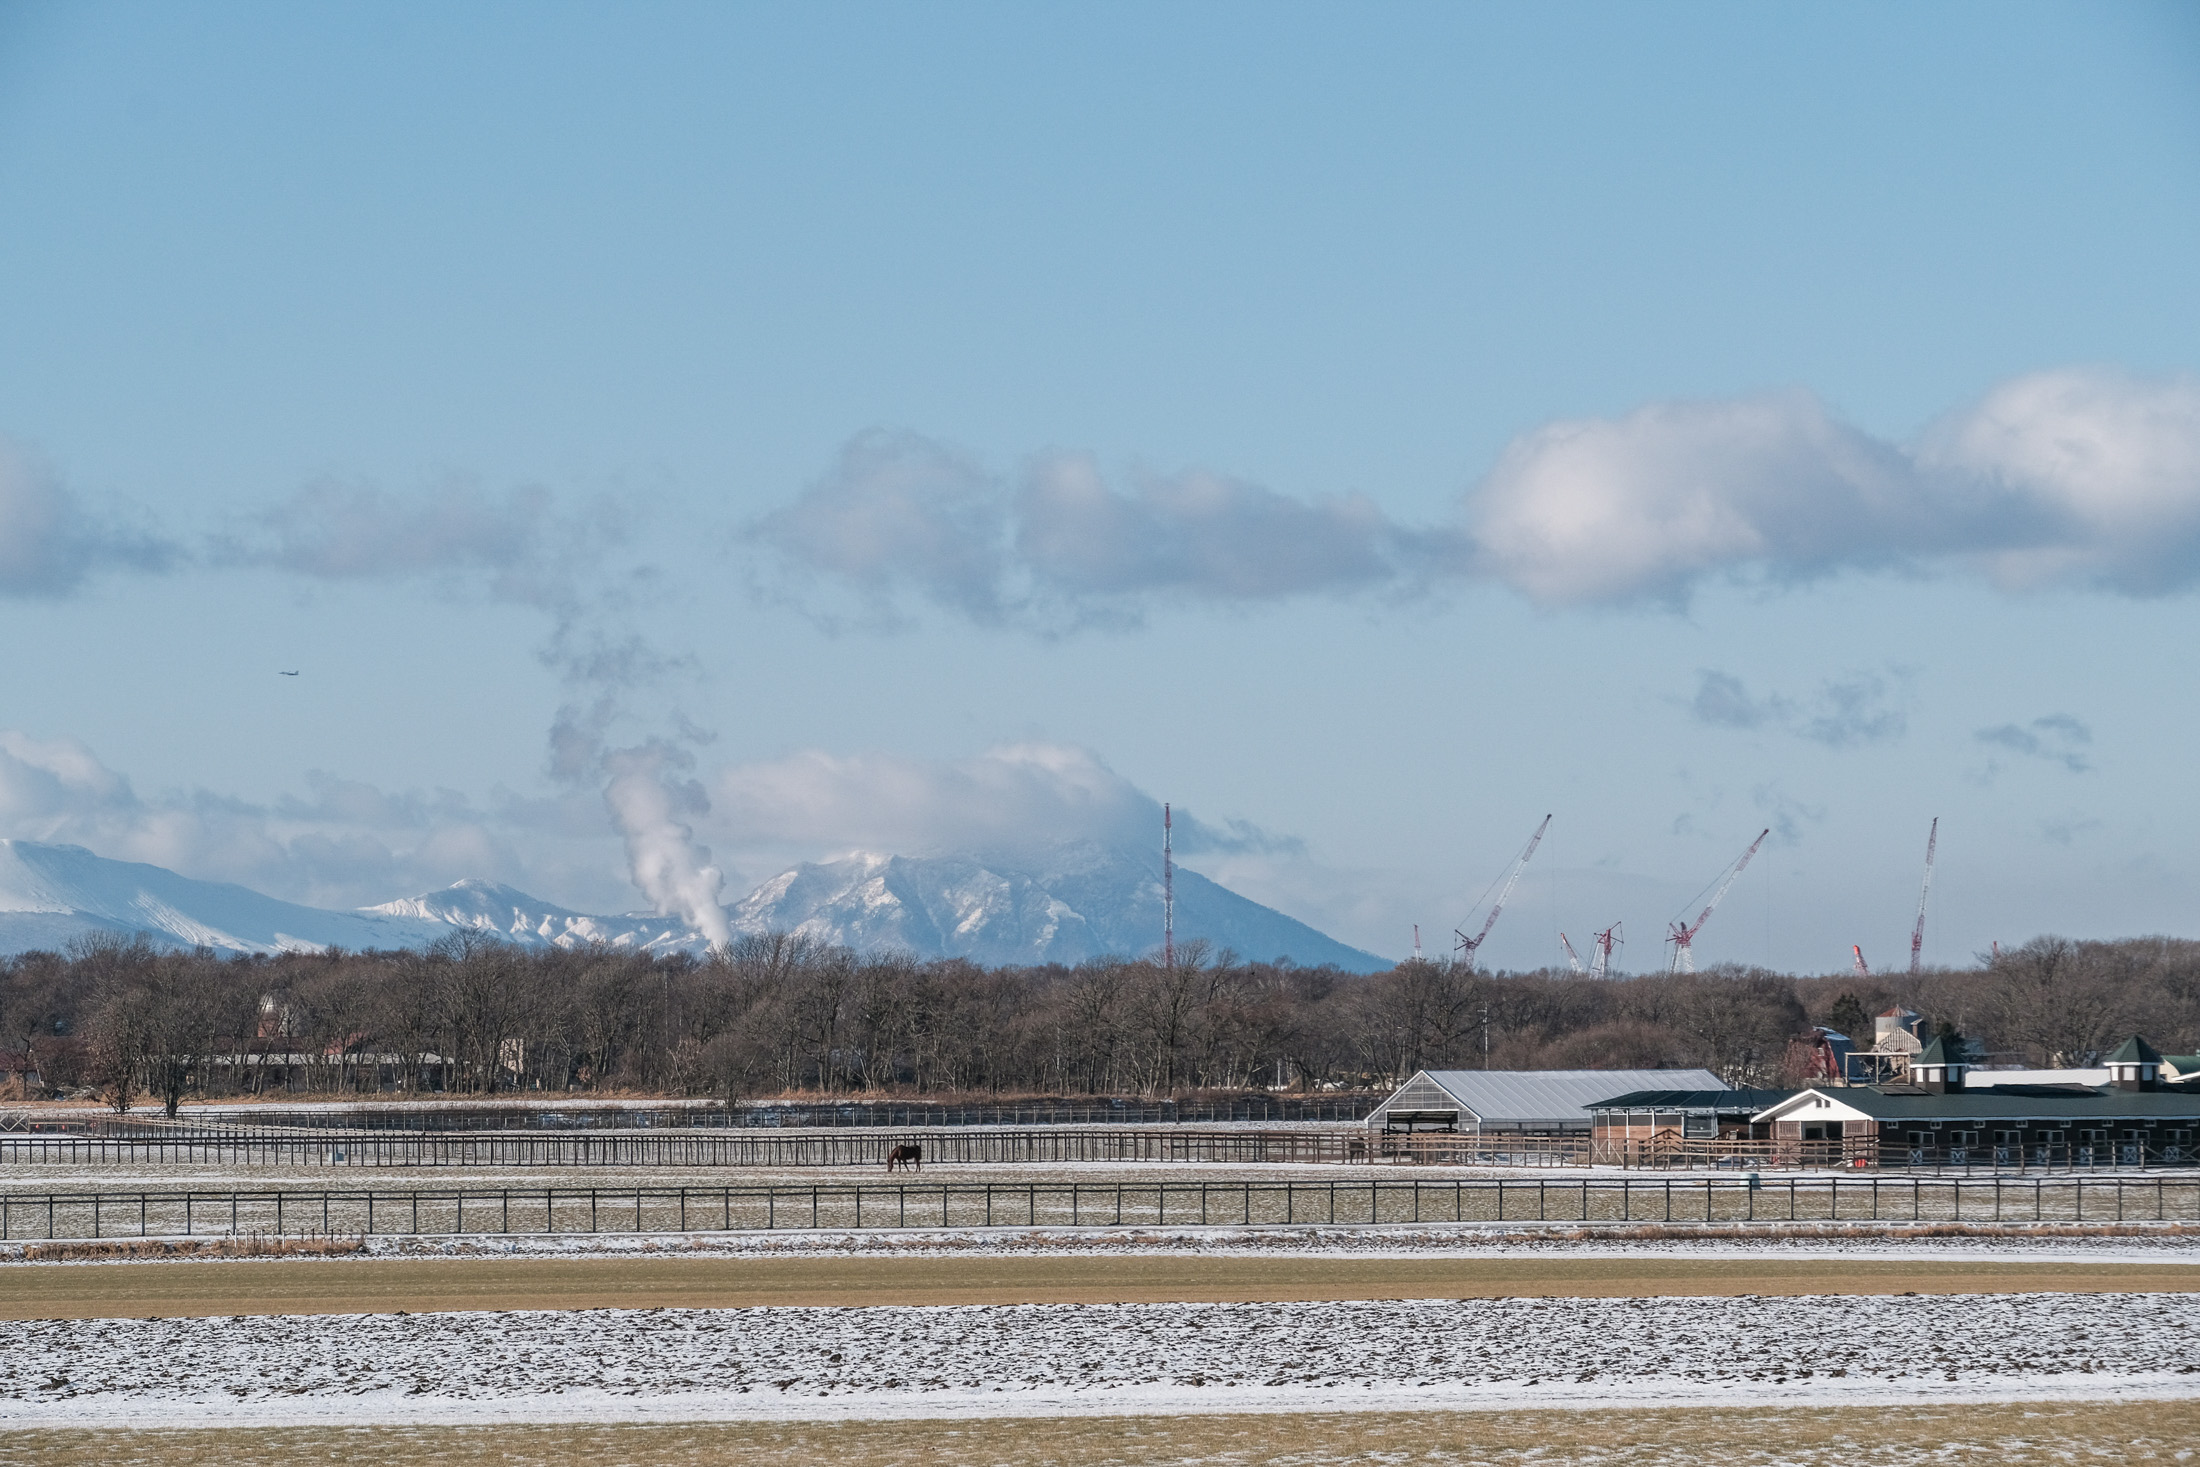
908,1154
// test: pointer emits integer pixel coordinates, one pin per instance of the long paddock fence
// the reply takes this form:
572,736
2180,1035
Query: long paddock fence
185,1144
437,1116
666,1210
1038,1144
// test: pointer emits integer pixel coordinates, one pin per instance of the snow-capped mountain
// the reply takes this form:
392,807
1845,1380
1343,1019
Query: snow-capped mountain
486,906
49,894
1073,903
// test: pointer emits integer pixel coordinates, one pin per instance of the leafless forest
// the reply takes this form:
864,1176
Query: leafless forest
780,1016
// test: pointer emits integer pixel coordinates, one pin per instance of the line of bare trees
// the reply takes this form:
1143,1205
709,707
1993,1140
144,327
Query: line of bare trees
781,1015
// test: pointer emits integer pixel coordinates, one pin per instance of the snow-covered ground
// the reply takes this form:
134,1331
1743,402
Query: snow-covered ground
887,1361
1860,1244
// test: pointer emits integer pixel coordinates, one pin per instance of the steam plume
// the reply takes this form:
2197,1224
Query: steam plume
646,793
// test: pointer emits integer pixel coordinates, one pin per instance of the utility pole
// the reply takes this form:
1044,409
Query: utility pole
1168,890
1485,1036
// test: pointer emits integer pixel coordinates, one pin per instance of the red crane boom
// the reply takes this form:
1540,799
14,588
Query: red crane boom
1684,938
1601,964
1469,946
1917,933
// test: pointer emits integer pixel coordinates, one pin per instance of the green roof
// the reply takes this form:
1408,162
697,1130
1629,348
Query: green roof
2136,1051
1937,1052
1982,1105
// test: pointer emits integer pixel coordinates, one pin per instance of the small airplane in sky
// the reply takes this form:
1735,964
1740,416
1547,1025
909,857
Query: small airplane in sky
280,673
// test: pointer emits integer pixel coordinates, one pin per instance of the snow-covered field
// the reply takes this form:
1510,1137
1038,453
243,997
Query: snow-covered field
885,1361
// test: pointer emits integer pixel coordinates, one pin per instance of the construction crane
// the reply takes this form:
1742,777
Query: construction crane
1604,942
1684,938
1469,946
1572,959
1863,970
1917,933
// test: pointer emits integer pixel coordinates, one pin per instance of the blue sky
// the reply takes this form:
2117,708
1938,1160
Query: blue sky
938,427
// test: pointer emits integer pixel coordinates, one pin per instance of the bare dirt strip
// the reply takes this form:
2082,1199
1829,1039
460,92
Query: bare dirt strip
1880,1436
386,1286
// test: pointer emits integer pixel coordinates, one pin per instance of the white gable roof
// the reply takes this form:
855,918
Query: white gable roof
1812,1105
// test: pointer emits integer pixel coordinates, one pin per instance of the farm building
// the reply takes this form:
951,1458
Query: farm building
1653,1117
1518,1102
2140,1117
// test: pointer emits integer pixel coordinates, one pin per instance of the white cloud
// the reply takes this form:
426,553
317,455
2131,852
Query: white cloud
1063,547
1641,507
519,546
2081,478
2100,471
1014,797
1197,535
899,512
344,844
49,541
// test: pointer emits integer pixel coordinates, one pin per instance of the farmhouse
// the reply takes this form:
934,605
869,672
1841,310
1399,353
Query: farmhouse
2138,1118
1518,1102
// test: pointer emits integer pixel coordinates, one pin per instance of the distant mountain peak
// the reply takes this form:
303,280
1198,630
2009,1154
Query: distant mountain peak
1064,905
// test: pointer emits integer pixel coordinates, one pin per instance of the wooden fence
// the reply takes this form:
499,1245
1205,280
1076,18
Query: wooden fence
743,1148
665,1210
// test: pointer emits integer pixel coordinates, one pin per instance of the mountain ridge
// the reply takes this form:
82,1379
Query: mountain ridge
1072,903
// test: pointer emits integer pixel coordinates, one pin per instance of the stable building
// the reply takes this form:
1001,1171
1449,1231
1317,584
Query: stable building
1644,1122
1517,1102
1938,1119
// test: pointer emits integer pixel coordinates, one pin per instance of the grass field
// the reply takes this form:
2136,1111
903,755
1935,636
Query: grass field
383,1285
2122,1431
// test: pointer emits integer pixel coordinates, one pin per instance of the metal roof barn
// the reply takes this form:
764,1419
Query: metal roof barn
1519,1100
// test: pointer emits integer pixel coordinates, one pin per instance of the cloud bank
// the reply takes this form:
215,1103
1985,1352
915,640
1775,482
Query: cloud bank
51,542
1059,546
344,843
1011,798
2085,478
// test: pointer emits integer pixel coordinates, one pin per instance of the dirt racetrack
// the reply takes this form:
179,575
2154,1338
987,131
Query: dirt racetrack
1881,1436
385,1285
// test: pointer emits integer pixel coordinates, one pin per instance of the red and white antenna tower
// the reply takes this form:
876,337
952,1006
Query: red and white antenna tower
1468,946
1416,942
1862,969
1917,933
1168,889
1605,941
1682,937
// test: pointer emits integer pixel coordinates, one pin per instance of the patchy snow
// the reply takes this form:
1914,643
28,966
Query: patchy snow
889,1361
1862,1244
